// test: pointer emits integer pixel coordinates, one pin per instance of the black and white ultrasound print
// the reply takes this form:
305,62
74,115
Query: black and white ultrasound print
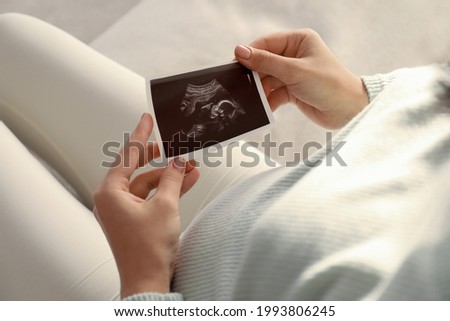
206,107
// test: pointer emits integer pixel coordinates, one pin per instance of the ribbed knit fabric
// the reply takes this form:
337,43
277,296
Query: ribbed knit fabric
376,83
375,229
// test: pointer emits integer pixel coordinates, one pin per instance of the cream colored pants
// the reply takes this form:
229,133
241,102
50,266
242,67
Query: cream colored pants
64,101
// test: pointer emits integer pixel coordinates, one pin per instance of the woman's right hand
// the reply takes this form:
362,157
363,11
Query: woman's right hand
297,67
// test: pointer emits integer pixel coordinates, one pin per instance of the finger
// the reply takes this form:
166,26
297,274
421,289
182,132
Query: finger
266,62
144,183
287,43
172,179
191,165
189,181
151,152
278,97
270,84
276,42
133,150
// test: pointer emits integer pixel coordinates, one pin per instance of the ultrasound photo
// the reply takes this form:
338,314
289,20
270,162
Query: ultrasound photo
206,107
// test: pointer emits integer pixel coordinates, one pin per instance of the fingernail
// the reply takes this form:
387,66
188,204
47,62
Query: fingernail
180,164
243,51
193,163
143,115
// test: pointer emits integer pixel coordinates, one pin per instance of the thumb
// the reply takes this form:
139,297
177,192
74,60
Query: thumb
172,179
265,62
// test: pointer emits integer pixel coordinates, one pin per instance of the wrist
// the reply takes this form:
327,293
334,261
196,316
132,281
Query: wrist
150,275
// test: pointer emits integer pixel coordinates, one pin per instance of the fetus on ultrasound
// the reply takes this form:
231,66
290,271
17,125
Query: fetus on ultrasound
208,109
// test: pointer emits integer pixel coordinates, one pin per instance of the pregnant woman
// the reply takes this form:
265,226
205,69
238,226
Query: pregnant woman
377,228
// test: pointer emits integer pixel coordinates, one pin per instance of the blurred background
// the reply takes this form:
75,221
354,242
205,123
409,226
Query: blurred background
369,36
159,37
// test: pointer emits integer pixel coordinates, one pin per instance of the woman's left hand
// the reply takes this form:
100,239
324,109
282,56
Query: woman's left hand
143,233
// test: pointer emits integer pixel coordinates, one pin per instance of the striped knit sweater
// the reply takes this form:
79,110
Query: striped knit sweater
375,229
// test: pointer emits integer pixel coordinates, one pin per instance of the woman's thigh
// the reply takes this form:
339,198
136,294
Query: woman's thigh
51,247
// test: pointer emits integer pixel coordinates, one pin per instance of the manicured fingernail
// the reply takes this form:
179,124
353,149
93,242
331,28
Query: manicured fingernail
243,51
180,164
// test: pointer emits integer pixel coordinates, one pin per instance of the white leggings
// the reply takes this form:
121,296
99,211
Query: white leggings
63,100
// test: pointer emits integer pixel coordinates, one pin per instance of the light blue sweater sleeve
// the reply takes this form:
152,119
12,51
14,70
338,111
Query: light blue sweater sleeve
153,296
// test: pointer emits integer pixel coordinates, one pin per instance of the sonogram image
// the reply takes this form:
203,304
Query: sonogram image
208,108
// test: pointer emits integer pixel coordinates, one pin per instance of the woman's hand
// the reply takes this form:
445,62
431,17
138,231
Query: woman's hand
297,67
143,233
